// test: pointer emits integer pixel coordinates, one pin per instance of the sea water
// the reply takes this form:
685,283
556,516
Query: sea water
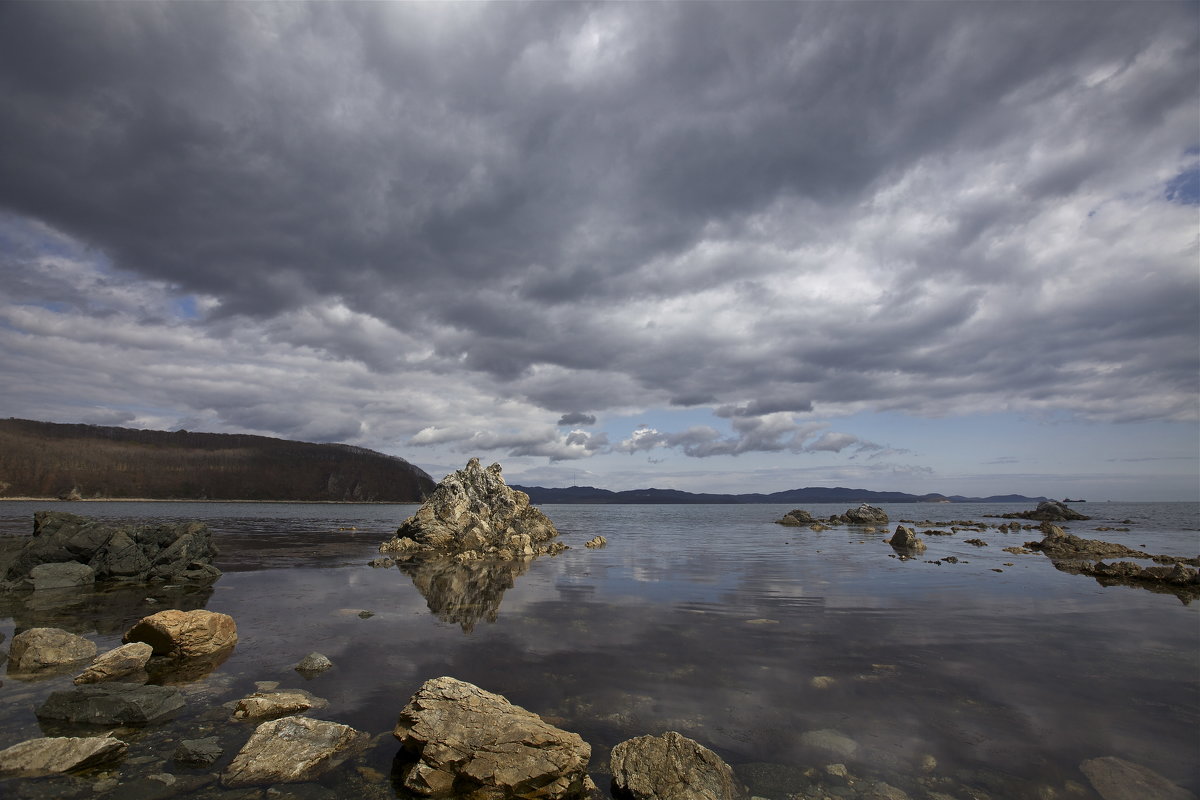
782,649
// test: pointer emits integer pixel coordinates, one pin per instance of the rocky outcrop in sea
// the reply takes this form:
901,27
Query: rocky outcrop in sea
1048,511
865,514
473,514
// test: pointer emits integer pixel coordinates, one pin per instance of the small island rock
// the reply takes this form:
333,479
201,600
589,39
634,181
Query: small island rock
906,539
473,514
865,515
1048,511
671,767
467,742
797,516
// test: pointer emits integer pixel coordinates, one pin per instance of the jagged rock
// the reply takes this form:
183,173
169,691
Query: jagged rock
797,516
1047,511
185,634
116,663
906,539
292,750
1059,544
1117,779
64,575
129,553
38,649
112,704
268,705
472,511
865,515
198,752
466,742
596,542
52,755
671,767
313,663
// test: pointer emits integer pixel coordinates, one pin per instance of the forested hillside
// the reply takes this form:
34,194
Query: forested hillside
45,459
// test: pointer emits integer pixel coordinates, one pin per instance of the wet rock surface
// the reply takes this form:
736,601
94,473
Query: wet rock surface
462,741
50,755
473,514
290,750
671,767
40,649
267,705
120,662
1117,779
112,704
128,553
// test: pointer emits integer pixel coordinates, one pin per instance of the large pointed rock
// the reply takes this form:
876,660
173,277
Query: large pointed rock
185,634
671,767
291,750
473,514
51,755
469,743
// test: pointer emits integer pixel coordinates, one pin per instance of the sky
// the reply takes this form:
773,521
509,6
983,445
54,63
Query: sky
728,247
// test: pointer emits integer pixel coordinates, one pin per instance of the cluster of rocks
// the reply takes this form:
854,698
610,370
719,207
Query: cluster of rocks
472,515
69,551
1048,511
863,515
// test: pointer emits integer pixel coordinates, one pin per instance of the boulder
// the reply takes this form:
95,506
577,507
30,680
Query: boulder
906,539
1116,779
462,741
119,662
268,705
198,752
596,542
1048,511
185,634
313,663
62,575
38,649
112,704
292,750
127,553
797,516
671,767
865,515
472,513
52,755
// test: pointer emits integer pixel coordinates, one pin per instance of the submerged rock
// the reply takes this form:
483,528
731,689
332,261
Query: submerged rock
472,514
185,634
1116,779
119,662
292,750
466,742
52,755
39,649
312,664
112,704
127,553
671,767
198,752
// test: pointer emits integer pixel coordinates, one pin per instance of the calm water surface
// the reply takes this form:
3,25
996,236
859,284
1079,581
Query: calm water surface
708,620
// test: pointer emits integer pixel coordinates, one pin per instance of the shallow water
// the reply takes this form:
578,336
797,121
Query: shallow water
709,620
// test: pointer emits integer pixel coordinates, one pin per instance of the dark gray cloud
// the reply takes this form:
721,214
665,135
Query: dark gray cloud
449,222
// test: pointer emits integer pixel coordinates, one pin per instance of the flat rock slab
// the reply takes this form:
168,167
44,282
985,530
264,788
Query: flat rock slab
672,767
185,634
469,743
265,705
120,662
43,648
112,704
52,755
292,750
1117,779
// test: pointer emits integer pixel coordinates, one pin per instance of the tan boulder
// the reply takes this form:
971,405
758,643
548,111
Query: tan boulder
265,705
672,767
291,750
184,634
51,755
119,662
38,649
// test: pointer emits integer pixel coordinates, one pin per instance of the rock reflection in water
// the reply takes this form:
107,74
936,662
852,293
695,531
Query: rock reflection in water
109,610
464,592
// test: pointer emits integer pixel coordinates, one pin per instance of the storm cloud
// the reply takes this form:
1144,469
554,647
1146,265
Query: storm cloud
440,225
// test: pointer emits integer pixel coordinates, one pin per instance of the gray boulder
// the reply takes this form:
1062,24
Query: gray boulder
473,514
313,663
671,767
125,553
112,704
39,649
797,516
1117,779
128,659
292,750
865,515
462,741
53,755
906,539
62,575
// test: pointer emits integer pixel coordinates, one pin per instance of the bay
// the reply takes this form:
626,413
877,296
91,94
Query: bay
782,649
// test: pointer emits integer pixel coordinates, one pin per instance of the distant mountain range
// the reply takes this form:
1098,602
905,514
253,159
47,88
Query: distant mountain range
47,459
812,494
